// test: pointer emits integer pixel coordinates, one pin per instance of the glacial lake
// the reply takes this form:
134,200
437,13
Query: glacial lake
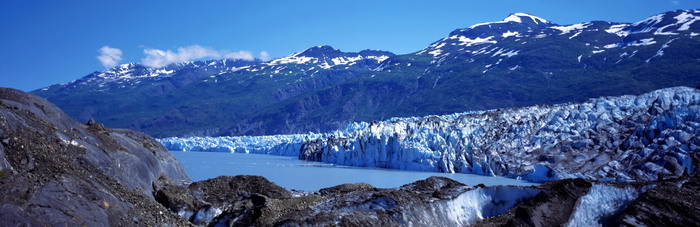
292,173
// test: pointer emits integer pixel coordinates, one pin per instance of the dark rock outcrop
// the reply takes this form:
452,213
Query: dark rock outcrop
545,209
437,201
250,200
668,204
56,171
663,203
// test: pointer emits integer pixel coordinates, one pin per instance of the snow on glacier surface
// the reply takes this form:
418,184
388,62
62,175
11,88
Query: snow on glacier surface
470,206
602,201
284,145
480,203
621,138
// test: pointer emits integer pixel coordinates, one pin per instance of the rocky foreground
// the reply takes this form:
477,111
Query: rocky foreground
55,171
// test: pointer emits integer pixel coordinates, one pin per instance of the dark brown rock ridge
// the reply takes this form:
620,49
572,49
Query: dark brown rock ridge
437,201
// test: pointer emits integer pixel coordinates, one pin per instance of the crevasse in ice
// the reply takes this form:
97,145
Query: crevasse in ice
622,138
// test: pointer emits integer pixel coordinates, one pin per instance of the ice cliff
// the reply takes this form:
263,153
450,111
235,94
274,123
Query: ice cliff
645,137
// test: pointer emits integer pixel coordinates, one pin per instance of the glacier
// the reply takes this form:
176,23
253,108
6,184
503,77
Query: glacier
283,145
627,138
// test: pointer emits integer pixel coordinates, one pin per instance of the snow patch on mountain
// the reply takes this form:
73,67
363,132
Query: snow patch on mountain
126,71
326,57
683,22
131,74
499,34
648,24
660,52
502,52
641,42
293,59
618,29
660,24
569,28
466,41
686,19
666,23
510,34
379,59
516,18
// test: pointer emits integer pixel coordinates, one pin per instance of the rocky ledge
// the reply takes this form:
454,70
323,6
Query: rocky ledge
437,201
55,171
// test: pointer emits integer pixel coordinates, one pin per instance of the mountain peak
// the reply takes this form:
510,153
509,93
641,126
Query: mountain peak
519,18
323,47
369,52
326,57
668,23
325,51
321,52
126,66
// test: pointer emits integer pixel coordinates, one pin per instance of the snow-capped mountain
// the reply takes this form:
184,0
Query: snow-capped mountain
129,86
520,61
126,76
523,32
316,58
326,57
654,135
516,25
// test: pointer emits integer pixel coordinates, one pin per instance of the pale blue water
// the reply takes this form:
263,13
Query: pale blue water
291,173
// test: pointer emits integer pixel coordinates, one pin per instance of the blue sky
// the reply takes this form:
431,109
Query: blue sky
50,42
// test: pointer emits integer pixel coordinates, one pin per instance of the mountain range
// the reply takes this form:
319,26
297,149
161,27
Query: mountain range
519,61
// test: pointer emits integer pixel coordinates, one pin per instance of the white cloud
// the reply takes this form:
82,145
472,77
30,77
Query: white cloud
109,57
264,56
244,55
156,58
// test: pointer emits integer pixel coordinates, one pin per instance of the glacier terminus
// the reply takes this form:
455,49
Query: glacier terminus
628,138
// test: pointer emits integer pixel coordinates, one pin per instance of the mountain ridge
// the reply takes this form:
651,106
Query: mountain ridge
484,66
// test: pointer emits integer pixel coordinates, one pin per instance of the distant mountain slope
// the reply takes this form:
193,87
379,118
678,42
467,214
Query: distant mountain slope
522,60
200,97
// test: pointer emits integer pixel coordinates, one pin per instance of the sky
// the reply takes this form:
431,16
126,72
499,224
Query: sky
50,42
